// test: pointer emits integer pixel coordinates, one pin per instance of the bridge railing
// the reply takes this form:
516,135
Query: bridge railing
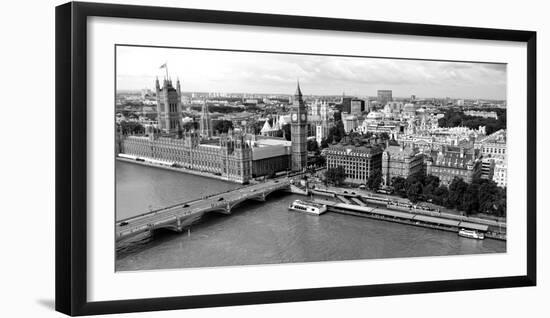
172,213
181,204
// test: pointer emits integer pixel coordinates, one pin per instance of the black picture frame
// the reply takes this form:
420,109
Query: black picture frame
71,157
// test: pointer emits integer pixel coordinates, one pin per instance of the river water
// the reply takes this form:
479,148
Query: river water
264,233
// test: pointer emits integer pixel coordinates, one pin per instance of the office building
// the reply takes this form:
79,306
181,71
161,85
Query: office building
384,96
400,161
359,162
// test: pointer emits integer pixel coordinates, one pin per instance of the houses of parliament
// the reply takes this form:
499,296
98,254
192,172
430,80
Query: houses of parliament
234,156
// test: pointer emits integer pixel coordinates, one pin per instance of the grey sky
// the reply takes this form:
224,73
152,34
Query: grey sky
247,72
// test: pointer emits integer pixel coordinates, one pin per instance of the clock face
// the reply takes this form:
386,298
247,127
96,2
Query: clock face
303,116
294,117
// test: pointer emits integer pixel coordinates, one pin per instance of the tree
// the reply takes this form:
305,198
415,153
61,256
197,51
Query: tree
400,186
414,191
384,136
453,118
223,126
481,195
341,132
354,135
440,195
337,132
151,116
500,203
131,128
336,175
312,145
321,161
375,179
457,188
324,143
491,198
470,203
252,108
431,183
337,116
190,125
432,180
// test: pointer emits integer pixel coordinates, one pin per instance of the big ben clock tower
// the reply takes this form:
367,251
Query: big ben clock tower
298,128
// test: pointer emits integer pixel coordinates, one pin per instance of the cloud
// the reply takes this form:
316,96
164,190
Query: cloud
228,71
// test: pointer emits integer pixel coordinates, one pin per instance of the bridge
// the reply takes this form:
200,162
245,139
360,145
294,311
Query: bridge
174,217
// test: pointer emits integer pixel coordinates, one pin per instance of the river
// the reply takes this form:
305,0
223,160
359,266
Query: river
264,233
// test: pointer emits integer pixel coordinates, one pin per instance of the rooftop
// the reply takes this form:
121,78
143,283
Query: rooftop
401,151
354,149
452,157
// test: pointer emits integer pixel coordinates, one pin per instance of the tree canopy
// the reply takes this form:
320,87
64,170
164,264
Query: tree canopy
312,146
131,128
375,179
480,196
454,118
223,126
190,125
336,133
335,176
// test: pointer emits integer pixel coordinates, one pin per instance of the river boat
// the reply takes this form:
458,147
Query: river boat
308,207
473,234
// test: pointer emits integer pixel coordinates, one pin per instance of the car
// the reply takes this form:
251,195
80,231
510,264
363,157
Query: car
123,223
276,181
186,205
345,191
220,199
252,190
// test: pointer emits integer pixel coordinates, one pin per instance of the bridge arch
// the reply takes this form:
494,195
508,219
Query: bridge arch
267,193
258,193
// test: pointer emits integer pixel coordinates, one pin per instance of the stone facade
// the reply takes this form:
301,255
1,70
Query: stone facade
205,124
384,96
350,123
493,149
298,132
451,162
169,106
267,166
359,162
235,156
319,120
230,157
400,161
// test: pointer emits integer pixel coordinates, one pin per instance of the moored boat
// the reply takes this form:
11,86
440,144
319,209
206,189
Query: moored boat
308,207
471,234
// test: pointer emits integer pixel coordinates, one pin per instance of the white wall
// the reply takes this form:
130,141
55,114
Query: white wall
27,160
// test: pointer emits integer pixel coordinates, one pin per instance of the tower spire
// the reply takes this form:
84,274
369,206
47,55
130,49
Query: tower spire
205,123
298,136
298,90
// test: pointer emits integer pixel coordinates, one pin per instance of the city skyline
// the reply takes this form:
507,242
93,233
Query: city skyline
273,73
408,165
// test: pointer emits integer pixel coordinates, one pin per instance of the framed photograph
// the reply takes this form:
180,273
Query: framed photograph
210,158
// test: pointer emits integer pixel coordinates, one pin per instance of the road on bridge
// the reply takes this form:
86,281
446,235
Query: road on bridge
173,215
